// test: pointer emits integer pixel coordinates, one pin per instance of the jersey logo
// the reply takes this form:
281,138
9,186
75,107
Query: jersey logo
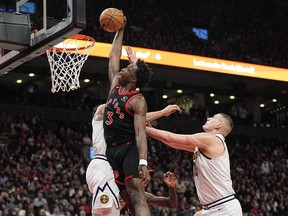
124,99
104,199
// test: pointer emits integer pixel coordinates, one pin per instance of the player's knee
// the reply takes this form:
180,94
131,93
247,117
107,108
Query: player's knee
137,197
134,194
135,190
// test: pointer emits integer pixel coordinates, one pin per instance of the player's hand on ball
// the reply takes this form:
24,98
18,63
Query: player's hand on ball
125,22
112,20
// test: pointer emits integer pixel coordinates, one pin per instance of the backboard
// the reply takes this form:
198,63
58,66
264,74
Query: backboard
51,22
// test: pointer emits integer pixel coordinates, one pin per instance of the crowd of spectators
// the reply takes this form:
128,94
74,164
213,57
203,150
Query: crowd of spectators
276,118
238,30
43,163
248,31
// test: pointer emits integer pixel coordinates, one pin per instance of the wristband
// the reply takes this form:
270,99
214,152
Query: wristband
143,162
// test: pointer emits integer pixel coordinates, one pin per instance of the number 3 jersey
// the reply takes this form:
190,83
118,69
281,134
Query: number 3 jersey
118,119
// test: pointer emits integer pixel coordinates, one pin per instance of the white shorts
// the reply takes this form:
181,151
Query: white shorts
101,182
231,208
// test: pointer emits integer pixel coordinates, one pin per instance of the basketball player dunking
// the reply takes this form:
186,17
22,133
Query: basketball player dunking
100,177
124,127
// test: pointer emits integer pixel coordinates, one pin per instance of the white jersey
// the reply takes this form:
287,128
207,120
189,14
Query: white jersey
98,140
100,177
212,175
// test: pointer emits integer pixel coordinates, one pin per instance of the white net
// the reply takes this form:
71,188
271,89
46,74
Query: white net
66,60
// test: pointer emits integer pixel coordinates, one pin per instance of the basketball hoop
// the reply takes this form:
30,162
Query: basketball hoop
66,60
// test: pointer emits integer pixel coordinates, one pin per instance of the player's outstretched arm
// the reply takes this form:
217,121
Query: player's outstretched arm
172,200
179,141
170,180
167,111
115,55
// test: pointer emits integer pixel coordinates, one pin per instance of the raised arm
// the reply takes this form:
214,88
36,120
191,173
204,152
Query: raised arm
131,55
172,200
114,56
167,111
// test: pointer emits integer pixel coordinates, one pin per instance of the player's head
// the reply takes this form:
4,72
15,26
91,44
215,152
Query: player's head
139,75
228,123
144,74
219,123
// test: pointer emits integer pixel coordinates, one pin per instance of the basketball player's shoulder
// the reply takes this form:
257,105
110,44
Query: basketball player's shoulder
139,99
138,103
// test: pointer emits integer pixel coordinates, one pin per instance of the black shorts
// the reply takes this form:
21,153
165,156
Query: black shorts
124,160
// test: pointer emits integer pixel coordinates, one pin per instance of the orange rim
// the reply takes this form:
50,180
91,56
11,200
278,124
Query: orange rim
77,37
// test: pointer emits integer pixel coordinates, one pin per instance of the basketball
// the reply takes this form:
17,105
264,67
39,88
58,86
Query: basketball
111,19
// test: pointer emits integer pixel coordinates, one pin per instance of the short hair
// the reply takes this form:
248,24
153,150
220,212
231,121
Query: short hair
228,120
144,74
